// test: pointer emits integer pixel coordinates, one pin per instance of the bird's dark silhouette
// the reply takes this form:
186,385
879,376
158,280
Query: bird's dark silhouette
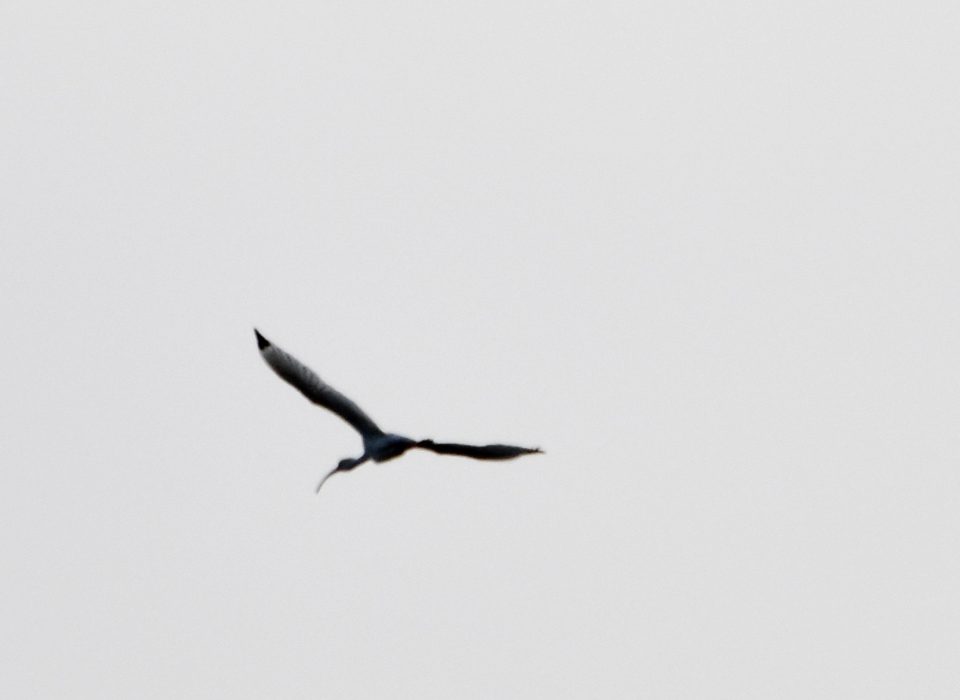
377,445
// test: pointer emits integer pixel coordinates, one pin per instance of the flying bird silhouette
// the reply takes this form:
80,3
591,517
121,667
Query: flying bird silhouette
377,445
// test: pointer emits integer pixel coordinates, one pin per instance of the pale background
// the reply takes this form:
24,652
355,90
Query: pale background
705,254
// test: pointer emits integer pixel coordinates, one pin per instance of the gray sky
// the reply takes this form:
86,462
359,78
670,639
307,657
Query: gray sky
706,256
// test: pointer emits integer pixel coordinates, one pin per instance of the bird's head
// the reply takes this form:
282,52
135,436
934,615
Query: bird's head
347,464
344,465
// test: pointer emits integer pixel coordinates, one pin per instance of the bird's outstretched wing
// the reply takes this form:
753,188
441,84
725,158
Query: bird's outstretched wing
478,451
306,381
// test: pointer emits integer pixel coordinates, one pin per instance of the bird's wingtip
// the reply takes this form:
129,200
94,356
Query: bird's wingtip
262,342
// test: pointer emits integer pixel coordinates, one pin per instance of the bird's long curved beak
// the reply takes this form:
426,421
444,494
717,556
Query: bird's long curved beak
324,479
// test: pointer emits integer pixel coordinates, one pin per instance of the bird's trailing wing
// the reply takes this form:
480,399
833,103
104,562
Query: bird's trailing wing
306,381
478,451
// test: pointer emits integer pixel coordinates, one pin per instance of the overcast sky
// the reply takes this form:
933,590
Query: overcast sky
706,255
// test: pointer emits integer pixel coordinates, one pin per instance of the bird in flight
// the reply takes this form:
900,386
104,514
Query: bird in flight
377,445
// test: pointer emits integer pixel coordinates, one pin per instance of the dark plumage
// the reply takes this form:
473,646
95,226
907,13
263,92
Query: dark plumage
377,445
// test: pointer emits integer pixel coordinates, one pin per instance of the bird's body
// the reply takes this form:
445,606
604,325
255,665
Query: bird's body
377,445
383,448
